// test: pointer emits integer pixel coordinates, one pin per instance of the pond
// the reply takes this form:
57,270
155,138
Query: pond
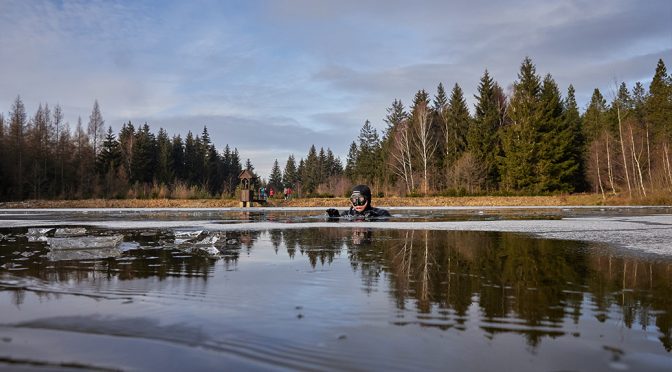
433,289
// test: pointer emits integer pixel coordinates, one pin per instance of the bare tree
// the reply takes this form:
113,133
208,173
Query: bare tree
425,143
96,130
401,155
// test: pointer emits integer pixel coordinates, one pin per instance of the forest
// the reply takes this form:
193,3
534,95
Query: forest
526,140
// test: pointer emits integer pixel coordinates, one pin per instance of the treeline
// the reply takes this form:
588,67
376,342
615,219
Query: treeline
526,140
41,158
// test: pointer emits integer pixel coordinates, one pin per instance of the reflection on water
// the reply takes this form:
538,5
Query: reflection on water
473,288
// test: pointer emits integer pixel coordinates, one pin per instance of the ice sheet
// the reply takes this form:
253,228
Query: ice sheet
650,233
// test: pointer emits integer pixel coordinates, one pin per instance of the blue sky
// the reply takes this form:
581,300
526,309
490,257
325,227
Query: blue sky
273,77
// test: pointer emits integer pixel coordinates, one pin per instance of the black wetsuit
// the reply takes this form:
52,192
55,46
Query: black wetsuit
369,212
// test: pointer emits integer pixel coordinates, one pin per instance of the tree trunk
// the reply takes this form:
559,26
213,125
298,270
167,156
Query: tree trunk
599,178
636,162
625,161
609,170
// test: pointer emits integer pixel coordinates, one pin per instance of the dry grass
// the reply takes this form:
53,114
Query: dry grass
467,201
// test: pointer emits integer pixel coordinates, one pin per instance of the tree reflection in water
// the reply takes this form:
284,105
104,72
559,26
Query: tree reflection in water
520,284
500,282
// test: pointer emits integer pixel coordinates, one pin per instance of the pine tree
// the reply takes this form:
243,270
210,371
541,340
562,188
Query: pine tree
144,161
275,179
521,137
598,138
334,166
108,163
658,114
322,167
482,136
573,172
368,163
659,103
456,127
310,176
214,170
191,161
164,167
177,159
16,153
109,157
351,162
559,134
290,175
126,140
439,117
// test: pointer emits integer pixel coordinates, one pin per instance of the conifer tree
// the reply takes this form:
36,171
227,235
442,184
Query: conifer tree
275,178
368,153
351,162
109,157
16,147
177,159
396,158
439,113
290,175
334,166
144,161
521,137
214,171
164,166
658,114
573,168
482,136
456,127
600,144
126,140
310,176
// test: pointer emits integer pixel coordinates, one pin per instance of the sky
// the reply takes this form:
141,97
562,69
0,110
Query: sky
272,77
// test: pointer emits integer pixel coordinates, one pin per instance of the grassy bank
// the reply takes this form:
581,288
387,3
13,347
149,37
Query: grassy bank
467,201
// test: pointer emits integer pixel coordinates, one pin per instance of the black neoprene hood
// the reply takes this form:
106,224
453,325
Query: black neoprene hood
363,190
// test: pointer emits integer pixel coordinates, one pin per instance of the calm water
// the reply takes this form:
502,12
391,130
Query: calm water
346,298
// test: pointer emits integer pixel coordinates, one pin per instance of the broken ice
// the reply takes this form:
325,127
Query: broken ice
85,242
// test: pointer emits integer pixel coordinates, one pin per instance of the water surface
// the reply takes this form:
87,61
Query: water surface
353,296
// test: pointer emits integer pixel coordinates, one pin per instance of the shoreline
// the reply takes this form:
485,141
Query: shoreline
588,200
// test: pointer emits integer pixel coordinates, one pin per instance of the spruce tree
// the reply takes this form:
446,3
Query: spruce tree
126,139
521,137
351,162
109,157
191,159
177,159
482,136
143,166
659,104
275,178
164,170
334,166
16,141
214,171
456,126
310,176
439,113
368,163
573,168
290,175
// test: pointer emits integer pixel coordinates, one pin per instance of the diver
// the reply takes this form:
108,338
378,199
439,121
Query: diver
360,201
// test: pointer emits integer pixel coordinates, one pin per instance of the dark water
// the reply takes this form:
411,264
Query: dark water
342,298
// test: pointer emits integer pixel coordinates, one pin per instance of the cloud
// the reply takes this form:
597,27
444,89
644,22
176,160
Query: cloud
300,72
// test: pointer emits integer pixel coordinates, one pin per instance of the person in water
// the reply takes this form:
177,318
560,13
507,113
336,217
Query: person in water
360,201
